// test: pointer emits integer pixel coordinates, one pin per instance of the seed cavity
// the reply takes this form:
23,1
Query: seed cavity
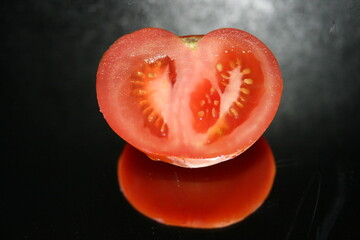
145,82
236,84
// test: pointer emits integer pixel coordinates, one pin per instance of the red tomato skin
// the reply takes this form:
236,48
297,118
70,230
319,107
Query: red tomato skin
214,197
113,67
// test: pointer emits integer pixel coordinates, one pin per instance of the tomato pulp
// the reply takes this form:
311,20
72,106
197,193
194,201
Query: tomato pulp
192,101
211,197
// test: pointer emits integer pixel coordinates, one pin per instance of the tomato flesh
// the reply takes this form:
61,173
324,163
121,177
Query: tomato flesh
192,101
212,197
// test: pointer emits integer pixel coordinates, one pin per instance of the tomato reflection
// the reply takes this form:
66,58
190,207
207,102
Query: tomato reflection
210,197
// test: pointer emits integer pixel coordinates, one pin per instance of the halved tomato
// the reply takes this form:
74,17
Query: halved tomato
191,101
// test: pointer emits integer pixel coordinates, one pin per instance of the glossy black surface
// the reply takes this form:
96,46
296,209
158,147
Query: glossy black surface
58,165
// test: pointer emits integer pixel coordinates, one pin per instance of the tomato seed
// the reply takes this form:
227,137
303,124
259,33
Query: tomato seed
163,127
201,114
151,75
239,104
225,76
246,71
151,117
137,82
224,83
245,90
248,81
234,112
208,98
140,74
147,110
143,102
213,112
139,92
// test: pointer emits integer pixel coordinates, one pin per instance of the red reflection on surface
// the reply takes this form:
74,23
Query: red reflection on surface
210,197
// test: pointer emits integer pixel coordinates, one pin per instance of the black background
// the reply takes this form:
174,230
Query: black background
59,157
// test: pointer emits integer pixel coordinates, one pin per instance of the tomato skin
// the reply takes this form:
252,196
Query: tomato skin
212,197
118,109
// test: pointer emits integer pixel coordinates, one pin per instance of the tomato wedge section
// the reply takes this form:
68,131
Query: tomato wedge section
192,101
211,197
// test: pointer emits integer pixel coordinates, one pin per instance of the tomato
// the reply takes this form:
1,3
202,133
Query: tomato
192,101
211,197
